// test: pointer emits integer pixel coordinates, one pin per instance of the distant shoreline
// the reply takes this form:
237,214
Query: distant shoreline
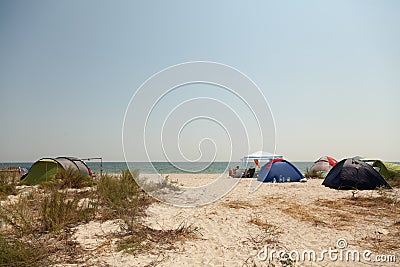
162,167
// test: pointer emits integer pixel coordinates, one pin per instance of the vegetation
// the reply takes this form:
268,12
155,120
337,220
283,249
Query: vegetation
16,253
238,204
118,193
269,234
143,238
48,213
6,190
69,178
263,224
58,211
20,216
121,197
314,174
7,184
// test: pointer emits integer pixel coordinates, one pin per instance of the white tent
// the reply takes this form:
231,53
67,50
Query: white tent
262,156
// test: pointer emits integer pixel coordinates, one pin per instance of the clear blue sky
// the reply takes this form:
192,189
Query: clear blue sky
329,69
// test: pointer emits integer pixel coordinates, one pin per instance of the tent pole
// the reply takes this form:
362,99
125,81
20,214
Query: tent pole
101,164
101,167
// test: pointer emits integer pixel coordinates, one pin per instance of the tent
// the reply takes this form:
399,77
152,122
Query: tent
46,168
259,156
323,164
350,174
279,170
387,170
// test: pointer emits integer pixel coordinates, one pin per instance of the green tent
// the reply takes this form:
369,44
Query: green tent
46,168
387,169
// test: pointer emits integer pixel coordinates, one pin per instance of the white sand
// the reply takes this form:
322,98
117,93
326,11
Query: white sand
229,239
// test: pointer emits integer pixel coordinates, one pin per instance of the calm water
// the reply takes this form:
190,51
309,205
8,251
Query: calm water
161,167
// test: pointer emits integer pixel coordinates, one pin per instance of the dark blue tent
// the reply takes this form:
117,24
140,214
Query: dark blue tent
352,174
280,169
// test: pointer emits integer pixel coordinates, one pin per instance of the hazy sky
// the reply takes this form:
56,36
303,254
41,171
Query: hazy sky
330,71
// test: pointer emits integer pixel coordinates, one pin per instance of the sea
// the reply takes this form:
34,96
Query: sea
160,167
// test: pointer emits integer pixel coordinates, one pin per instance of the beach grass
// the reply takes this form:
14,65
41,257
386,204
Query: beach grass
122,197
49,212
13,252
395,180
7,184
69,178
59,210
21,215
6,190
313,174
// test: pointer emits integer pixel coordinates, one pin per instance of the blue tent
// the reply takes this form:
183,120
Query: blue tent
280,169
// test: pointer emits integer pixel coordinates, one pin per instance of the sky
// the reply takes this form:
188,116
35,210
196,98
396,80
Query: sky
329,70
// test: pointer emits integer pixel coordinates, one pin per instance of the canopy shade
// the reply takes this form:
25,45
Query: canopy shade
259,155
262,155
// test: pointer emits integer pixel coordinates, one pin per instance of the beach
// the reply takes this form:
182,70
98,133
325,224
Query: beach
242,228
127,124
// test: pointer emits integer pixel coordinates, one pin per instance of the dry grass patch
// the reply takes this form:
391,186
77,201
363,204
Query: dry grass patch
143,238
366,206
263,224
238,204
382,242
340,213
372,209
269,234
272,200
305,213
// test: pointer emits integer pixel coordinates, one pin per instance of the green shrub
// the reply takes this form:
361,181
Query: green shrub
131,176
314,174
7,185
20,215
6,190
121,197
9,177
15,253
71,178
118,192
58,211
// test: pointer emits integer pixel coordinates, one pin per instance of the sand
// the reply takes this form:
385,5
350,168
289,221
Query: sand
233,230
